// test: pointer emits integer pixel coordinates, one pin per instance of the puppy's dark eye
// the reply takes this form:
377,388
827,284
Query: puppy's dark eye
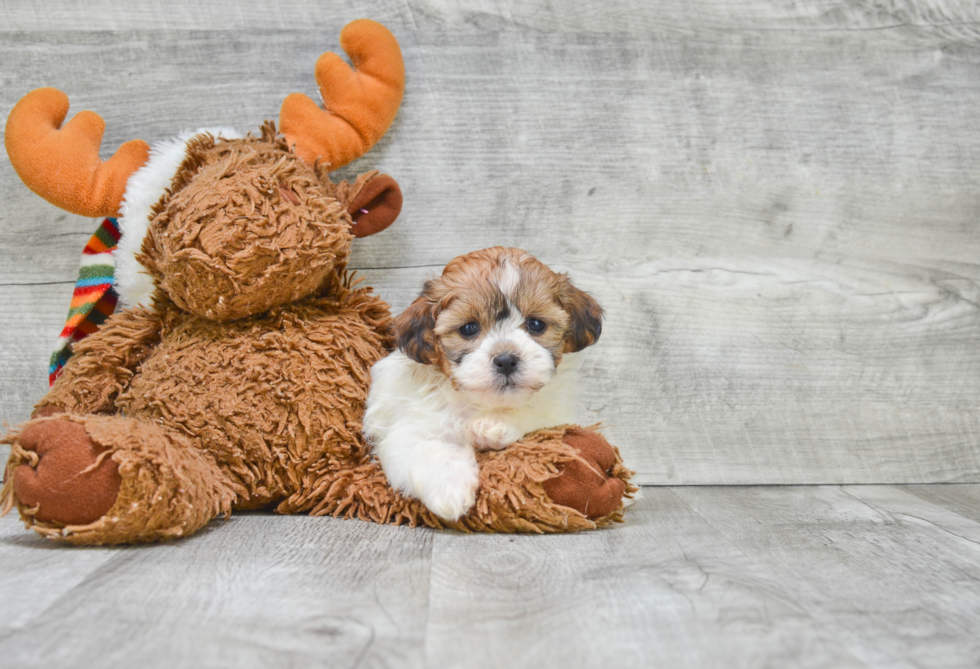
536,325
469,330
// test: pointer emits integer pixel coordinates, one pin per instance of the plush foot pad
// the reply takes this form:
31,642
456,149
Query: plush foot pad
68,482
588,485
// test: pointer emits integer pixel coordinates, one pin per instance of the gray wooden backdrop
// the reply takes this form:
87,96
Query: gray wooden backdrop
775,201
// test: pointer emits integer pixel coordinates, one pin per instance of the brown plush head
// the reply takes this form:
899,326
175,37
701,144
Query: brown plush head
245,224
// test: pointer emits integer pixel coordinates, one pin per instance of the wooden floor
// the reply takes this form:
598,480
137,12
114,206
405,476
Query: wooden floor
819,576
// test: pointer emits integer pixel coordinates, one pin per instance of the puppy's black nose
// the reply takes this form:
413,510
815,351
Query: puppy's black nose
506,363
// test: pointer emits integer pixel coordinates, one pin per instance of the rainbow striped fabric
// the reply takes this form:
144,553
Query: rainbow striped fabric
94,298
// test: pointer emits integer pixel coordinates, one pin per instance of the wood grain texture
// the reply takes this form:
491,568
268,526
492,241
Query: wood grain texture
36,575
787,577
665,590
947,19
256,591
962,499
957,19
226,15
775,203
871,564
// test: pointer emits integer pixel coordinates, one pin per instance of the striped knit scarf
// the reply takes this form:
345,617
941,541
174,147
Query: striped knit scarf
94,299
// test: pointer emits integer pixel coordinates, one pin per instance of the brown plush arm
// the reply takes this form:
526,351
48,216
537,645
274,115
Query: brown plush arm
103,364
561,479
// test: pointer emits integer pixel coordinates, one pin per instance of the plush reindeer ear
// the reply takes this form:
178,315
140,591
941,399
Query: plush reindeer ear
415,328
376,206
586,315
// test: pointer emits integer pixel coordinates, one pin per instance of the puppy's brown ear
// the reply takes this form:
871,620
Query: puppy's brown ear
586,315
415,329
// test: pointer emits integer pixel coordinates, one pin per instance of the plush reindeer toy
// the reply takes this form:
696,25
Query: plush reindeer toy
235,374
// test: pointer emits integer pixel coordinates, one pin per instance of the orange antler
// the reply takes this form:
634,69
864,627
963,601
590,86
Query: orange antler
62,164
360,103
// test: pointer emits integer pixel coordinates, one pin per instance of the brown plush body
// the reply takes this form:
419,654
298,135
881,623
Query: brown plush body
243,384
265,412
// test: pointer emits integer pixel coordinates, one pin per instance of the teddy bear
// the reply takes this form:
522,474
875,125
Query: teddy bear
235,373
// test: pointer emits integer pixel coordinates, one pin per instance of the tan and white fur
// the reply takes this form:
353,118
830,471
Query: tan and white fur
486,354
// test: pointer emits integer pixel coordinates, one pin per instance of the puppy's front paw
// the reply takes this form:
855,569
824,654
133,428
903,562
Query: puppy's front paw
490,434
454,492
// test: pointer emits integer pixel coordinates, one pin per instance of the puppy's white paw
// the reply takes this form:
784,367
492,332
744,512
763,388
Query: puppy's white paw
453,492
487,433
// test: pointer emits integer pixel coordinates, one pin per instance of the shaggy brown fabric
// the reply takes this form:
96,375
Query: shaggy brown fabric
275,399
511,495
103,365
44,412
168,488
223,238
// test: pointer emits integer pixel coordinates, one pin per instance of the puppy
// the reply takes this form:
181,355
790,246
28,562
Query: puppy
485,355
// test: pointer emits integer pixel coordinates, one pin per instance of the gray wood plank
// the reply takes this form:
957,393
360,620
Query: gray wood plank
897,590
256,591
948,19
779,222
697,577
897,502
664,590
226,15
37,313
36,575
964,499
